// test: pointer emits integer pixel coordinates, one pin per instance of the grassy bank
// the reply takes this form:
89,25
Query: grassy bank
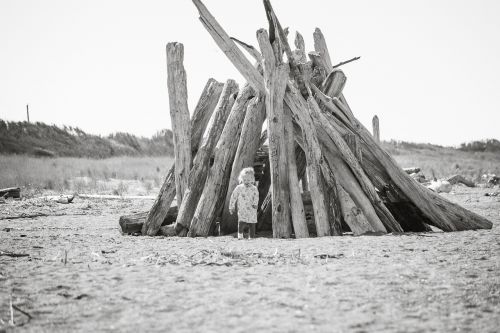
117,175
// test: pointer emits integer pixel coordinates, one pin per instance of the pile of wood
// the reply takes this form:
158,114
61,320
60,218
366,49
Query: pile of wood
317,149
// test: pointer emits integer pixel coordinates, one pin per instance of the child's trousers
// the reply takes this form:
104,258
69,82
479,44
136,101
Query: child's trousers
251,229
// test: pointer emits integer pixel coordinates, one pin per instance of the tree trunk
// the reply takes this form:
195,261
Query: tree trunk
179,114
201,116
201,162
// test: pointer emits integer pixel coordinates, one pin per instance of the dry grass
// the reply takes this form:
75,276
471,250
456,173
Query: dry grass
144,175
443,161
117,175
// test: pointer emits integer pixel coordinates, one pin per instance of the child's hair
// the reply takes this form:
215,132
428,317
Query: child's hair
246,172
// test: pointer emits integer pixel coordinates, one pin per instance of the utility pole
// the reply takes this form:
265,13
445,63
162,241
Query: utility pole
28,112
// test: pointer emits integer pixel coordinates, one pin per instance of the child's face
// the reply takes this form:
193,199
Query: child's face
248,179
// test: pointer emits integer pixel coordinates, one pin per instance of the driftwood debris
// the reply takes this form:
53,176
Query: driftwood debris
179,113
10,192
201,115
349,182
133,223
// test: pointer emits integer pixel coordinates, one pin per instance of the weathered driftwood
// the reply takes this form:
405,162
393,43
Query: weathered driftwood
226,44
203,111
265,204
455,179
353,216
444,214
300,51
276,76
10,192
334,83
411,170
376,129
347,180
179,114
353,142
321,48
199,171
296,204
200,118
437,211
214,193
314,159
133,223
245,153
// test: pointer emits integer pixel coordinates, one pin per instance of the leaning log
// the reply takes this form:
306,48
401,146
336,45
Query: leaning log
384,214
199,171
214,193
296,205
199,120
275,77
245,153
179,114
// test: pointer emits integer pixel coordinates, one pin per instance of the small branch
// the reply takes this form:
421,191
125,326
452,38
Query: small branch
23,312
346,62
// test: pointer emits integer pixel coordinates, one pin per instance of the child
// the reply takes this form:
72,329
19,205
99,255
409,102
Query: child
246,196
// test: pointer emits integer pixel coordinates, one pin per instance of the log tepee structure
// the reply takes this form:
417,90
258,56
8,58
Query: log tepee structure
321,172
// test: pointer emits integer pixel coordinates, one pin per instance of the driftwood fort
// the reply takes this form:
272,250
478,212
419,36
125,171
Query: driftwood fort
319,170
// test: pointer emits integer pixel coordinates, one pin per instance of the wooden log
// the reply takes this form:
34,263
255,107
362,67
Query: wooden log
214,193
314,159
334,83
179,114
265,204
300,51
321,48
437,211
352,142
411,170
245,153
200,118
276,76
229,48
332,200
348,182
376,129
455,179
201,163
383,213
203,111
10,192
353,216
133,223
296,205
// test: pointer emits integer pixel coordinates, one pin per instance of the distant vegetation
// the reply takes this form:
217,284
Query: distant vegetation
39,139
491,145
116,175
442,161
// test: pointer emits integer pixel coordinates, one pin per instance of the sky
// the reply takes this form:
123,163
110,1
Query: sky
430,69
